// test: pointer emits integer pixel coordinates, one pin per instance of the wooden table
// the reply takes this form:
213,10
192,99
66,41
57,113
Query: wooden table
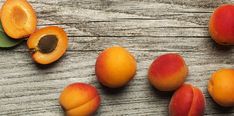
148,28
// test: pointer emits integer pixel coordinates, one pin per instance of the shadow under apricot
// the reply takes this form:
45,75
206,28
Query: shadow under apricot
160,94
217,47
113,91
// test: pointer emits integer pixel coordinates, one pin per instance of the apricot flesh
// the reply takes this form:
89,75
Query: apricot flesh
18,18
221,25
79,99
168,72
115,67
53,49
187,101
221,87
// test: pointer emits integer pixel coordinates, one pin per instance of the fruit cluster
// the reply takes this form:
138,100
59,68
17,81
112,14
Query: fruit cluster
19,21
221,28
116,66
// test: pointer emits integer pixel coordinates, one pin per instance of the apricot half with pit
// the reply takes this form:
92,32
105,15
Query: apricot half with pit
48,44
18,18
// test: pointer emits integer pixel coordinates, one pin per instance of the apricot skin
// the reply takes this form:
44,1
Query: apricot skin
187,101
59,51
115,67
168,72
79,99
221,25
18,18
221,87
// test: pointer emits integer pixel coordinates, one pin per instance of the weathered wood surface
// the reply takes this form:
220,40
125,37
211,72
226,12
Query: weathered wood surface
148,28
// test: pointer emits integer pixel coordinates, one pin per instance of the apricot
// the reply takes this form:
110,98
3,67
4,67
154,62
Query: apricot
48,44
187,101
18,18
115,67
221,25
168,72
79,99
221,87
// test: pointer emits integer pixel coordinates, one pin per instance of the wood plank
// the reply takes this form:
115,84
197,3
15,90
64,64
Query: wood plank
148,28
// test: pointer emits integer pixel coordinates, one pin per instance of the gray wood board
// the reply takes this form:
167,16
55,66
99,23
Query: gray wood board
147,28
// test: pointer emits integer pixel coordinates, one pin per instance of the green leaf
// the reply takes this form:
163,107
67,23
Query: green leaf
6,41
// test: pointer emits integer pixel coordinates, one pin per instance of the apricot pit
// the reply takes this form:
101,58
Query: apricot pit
48,44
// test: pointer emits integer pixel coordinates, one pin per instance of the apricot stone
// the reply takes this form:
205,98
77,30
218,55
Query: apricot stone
221,87
115,67
221,25
187,101
79,99
18,18
168,72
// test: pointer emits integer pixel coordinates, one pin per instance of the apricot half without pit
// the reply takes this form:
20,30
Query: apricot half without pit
48,44
18,18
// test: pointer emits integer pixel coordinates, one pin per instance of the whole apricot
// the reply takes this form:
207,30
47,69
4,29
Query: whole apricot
221,87
79,99
187,101
115,67
221,25
48,44
18,18
168,72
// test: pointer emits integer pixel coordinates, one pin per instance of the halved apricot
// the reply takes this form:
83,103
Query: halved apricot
18,18
48,44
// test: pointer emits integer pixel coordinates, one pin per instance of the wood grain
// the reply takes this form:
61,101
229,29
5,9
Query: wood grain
148,28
